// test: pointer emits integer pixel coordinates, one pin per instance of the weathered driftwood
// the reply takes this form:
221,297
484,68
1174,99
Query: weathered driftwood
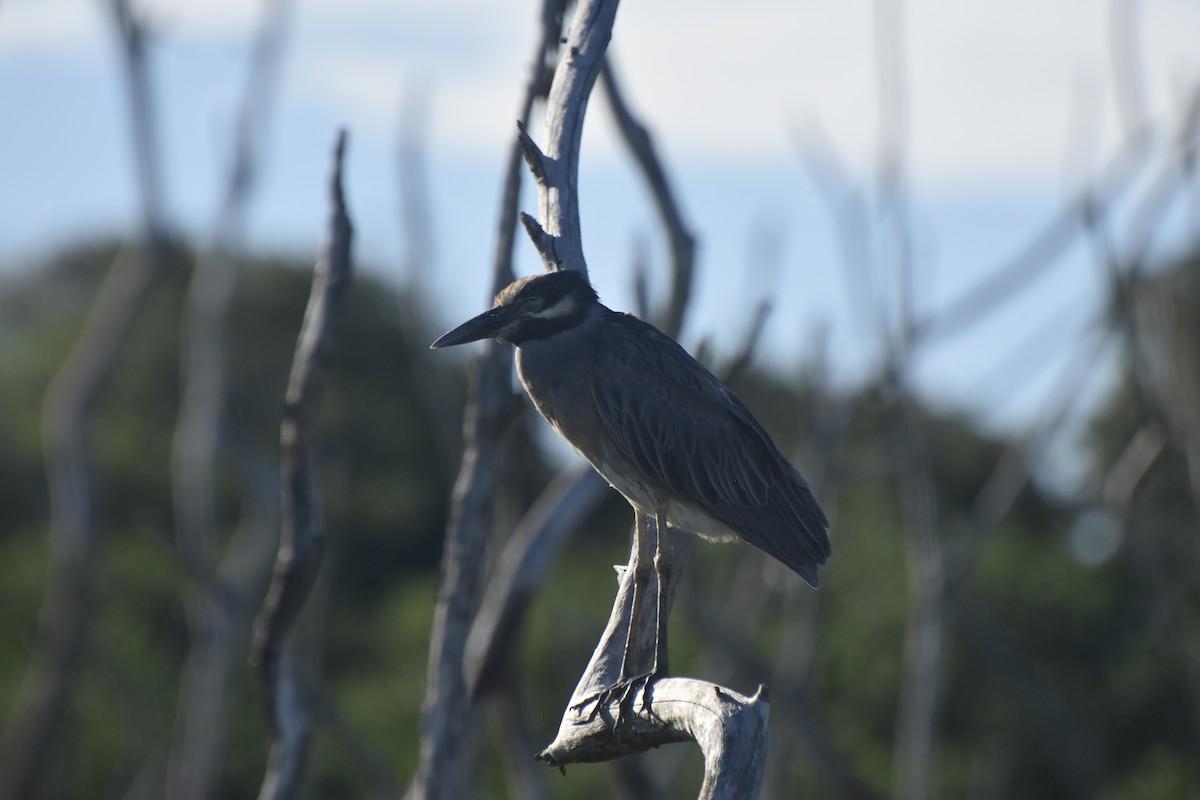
730,728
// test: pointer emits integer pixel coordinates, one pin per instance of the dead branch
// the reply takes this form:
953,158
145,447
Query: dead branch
35,729
730,729
419,260
556,172
787,692
302,539
213,623
522,566
443,764
680,240
570,497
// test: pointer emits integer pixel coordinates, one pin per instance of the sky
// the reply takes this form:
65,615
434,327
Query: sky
1004,110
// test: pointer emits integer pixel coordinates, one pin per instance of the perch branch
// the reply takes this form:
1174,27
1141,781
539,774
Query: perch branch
730,728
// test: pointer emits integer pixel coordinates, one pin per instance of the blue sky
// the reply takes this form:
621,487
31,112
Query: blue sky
1008,108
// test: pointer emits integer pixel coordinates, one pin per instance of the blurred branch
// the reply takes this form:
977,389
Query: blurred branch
213,622
1059,727
521,569
419,260
540,535
846,204
892,195
744,356
924,644
788,692
682,243
374,771
922,683
730,729
1014,468
443,766
515,742
35,729
1034,259
1124,31
302,541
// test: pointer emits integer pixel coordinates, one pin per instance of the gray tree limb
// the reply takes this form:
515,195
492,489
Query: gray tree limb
443,763
302,539
34,731
730,728
214,623
680,240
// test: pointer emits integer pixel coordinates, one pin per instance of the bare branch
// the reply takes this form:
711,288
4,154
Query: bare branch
522,565
374,770
1124,30
524,776
745,354
212,620
535,159
558,193
302,542
34,729
679,238
731,631
442,764
1020,271
419,261
730,728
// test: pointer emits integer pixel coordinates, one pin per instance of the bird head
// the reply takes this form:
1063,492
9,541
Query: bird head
531,308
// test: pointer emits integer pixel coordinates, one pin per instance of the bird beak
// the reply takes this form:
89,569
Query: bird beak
485,326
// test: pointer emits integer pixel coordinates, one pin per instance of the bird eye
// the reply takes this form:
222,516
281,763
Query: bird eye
532,306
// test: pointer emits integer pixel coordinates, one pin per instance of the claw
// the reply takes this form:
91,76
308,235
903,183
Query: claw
623,691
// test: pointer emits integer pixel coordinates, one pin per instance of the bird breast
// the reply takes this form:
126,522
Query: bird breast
557,374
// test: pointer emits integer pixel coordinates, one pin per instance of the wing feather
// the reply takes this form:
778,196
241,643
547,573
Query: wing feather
689,435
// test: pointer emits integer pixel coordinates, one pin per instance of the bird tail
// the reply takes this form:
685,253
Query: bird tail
808,572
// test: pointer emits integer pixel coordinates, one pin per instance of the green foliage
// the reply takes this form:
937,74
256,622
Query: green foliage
1062,678
383,494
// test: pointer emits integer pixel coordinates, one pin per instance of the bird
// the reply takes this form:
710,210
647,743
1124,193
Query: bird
656,424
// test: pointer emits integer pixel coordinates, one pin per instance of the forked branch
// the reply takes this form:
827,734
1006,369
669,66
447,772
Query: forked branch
730,728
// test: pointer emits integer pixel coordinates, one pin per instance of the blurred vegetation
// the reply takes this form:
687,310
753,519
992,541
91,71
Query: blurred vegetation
1062,677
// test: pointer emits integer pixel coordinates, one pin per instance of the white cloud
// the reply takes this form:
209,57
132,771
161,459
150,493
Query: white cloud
40,24
992,89
989,87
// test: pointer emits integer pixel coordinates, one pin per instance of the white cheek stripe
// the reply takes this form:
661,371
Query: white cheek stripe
562,308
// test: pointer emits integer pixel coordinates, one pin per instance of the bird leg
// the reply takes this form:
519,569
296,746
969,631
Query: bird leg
641,585
662,572
627,684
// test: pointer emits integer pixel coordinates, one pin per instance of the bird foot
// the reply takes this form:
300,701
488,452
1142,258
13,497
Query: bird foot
624,691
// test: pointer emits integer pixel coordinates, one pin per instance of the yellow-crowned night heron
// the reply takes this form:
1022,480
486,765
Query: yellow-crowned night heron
658,426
